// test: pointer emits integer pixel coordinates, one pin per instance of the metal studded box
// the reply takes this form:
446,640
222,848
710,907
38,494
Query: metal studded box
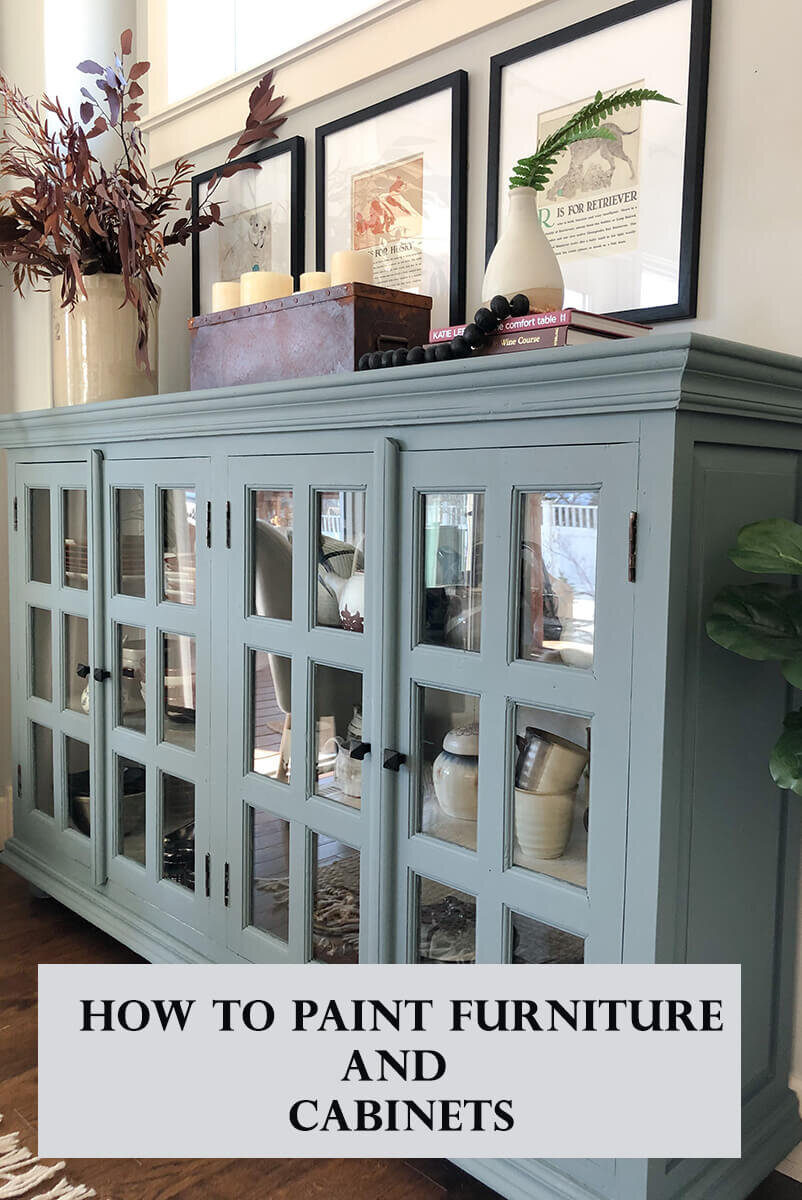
309,333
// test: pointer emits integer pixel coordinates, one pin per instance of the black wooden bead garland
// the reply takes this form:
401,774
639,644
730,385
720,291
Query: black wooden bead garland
485,322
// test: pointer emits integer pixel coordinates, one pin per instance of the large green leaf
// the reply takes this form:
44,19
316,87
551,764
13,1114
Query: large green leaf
761,621
773,546
792,670
785,762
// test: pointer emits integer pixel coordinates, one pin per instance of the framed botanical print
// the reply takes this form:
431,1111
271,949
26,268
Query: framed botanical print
263,221
392,179
622,212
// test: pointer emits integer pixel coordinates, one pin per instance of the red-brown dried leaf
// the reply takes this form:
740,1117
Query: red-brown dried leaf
138,70
126,41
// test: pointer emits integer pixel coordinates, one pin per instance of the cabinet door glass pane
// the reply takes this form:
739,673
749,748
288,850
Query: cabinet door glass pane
131,810
340,593
130,541
338,734
131,659
179,689
41,654
178,545
178,831
271,553
558,577
446,923
335,901
448,785
39,549
551,759
534,942
271,694
78,785
76,563
76,660
451,572
42,746
270,873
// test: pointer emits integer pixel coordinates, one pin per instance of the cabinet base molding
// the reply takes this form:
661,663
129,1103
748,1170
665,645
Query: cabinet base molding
764,1145
152,944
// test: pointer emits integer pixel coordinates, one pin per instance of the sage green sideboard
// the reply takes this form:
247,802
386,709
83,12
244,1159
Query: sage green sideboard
264,638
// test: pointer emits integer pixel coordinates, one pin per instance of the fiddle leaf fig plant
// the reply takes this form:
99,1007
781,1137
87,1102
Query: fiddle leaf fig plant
535,170
763,621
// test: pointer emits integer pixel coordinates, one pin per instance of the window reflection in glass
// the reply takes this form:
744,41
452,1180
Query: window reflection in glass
41,654
534,942
551,761
449,765
131,810
271,526
453,541
178,831
340,542
338,734
42,746
39,546
179,690
131,659
446,925
78,785
76,564
558,577
129,505
335,901
271,696
178,545
76,660
270,873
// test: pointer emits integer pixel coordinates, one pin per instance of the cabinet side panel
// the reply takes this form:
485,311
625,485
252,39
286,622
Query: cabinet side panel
737,826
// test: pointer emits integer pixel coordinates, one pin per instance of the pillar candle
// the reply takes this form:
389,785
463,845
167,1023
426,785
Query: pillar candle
312,280
225,295
351,266
256,286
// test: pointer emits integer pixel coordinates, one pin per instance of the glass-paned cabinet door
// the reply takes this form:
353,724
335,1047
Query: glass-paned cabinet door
52,565
515,627
304,686
159,703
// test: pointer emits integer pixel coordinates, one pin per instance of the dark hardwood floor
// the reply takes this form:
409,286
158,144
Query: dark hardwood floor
34,931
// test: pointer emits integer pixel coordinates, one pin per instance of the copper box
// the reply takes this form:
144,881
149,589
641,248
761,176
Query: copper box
309,333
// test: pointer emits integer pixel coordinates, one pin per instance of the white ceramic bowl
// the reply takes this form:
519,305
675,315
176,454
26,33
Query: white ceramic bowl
543,822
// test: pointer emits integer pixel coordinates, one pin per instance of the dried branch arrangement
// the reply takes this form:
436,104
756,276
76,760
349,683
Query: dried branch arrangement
71,215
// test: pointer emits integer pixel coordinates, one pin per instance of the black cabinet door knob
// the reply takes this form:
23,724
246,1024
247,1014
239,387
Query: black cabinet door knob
83,670
360,749
393,759
100,675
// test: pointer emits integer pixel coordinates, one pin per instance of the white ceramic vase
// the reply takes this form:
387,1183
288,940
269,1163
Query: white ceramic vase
455,773
523,260
94,345
543,822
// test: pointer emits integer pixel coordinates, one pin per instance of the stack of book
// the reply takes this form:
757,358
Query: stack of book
542,331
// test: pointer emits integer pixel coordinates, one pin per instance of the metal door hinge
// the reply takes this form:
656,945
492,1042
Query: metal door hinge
16,514
208,875
227,886
208,524
19,781
632,559
228,524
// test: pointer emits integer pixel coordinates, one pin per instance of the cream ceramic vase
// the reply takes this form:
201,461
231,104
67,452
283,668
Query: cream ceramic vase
94,345
543,822
455,773
523,260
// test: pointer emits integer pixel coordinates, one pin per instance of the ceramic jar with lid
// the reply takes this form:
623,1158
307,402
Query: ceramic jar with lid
456,773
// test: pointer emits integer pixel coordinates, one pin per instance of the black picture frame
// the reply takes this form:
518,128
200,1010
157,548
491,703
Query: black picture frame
457,82
693,167
296,148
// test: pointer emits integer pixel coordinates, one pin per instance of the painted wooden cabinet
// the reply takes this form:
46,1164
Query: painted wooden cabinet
411,666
